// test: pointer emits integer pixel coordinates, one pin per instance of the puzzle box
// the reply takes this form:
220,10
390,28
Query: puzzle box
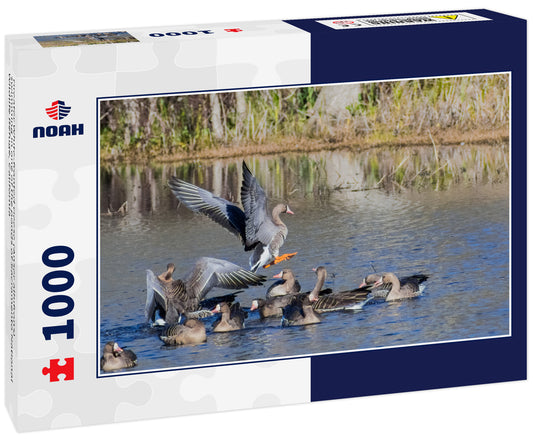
161,180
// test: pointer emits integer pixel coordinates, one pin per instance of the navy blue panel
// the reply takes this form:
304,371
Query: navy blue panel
408,51
416,368
421,51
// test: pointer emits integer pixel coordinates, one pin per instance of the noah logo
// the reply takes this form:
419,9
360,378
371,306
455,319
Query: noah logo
58,111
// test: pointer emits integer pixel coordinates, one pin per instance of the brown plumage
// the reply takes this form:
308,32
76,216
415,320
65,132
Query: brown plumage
387,286
191,332
174,298
287,285
271,307
114,357
232,318
300,311
353,299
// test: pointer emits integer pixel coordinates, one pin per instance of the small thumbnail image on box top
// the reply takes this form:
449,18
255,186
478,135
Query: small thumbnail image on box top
94,38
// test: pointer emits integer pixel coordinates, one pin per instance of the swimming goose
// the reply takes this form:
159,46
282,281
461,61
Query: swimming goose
286,285
257,230
114,357
176,297
353,299
232,318
272,306
300,311
191,332
387,286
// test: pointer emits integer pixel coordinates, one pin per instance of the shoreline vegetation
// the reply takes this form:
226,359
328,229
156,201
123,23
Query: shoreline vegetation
443,112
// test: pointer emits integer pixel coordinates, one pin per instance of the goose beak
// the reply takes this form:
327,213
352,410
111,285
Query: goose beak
216,310
363,283
254,306
289,211
278,275
117,348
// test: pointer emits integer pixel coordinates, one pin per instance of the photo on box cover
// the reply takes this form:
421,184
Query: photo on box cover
265,224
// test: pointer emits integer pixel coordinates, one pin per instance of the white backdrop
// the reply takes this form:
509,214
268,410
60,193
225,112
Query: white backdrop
488,414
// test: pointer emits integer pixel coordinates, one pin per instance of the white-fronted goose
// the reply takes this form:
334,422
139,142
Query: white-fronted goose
271,307
232,318
258,231
192,332
172,298
287,284
353,299
387,286
114,357
300,311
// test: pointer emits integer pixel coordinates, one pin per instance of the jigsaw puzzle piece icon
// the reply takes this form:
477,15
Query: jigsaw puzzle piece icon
55,369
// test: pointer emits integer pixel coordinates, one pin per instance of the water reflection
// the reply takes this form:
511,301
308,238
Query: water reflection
315,174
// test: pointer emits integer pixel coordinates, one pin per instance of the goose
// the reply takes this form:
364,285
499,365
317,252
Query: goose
389,287
272,306
174,298
353,299
300,311
191,332
260,232
114,357
286,285
232,318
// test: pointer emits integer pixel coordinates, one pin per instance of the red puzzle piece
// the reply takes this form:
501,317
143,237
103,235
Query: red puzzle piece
56,369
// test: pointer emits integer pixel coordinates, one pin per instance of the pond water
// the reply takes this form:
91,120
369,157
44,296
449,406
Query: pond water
459,236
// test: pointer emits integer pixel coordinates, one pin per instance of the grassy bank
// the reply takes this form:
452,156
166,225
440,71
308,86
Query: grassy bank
455,110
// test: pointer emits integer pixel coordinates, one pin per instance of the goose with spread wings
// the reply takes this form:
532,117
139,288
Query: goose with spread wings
258,231
174,298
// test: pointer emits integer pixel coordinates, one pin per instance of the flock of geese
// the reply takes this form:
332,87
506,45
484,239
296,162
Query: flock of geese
180,304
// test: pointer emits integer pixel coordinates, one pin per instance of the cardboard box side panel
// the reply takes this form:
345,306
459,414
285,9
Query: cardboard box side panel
518,208
436,50
466,362
10,240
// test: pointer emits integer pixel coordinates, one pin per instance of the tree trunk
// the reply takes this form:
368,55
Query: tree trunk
217,126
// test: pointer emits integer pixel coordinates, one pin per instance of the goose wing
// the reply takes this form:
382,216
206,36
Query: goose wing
341,299
293,312
259,226
414,279
212,272
223,212
169,297
155,296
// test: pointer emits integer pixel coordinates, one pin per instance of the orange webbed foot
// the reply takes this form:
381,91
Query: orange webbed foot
279,259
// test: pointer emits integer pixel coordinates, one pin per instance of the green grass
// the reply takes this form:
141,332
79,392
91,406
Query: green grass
383,113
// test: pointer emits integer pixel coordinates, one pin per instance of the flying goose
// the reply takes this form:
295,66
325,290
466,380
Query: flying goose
258,231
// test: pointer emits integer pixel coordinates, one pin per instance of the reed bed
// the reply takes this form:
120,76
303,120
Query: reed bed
354,115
